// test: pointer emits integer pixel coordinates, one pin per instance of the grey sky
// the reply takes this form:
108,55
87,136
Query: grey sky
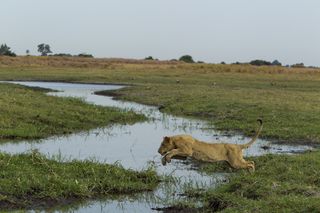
209,30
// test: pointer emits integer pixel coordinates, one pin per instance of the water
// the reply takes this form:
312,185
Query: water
134,146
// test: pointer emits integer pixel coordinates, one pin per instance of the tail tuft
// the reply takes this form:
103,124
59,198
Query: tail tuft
260,121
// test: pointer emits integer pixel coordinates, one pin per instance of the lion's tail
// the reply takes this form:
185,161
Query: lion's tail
244,146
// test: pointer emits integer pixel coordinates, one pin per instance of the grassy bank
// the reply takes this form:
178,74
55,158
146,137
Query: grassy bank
30,114
231,96
281,183
33,181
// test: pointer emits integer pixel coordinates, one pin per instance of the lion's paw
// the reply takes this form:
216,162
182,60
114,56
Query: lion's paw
164,161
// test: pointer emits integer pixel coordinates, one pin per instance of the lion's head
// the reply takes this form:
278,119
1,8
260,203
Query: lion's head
166,146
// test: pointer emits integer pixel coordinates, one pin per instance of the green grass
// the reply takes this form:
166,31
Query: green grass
30,114
281,183
33,181
291,115
232,97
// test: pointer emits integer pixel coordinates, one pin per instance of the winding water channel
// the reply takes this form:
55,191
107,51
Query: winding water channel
133,146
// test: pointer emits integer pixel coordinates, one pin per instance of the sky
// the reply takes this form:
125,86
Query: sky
209,30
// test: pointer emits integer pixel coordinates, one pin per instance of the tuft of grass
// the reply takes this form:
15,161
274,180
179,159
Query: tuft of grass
27,113
31,181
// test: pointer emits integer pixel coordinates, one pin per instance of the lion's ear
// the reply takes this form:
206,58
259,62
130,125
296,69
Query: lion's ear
166,139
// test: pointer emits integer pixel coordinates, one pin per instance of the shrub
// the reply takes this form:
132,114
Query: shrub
62,55
186,58
85,55
260,63
298,65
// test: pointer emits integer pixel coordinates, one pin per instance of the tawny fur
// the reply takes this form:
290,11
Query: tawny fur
182,146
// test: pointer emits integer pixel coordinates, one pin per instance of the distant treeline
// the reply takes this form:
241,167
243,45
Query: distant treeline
45,50
259,62
85,55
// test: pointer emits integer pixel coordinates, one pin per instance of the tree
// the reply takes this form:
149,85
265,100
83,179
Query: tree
148,58
44,49
27,52
5,50
276,63
186,58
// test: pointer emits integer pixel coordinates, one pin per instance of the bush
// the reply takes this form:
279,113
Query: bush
62,55
186,58
85,55
260,63
149,58
298,65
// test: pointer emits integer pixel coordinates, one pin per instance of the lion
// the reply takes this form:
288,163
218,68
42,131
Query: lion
183,146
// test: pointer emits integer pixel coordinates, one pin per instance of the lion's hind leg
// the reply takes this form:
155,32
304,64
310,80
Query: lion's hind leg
240,163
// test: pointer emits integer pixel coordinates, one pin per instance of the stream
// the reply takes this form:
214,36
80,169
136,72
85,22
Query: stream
134,146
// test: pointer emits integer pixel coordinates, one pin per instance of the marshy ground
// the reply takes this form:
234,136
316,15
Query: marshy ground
28,113
31,181
229,96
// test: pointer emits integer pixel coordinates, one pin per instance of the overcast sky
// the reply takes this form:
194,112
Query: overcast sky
209,30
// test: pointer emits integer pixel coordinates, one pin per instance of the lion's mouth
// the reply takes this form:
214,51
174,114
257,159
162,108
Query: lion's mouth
162,152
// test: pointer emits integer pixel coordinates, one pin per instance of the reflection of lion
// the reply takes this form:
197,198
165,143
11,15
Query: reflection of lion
182,146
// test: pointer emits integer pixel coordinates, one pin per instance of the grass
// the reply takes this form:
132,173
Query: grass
30,114
33,181
232,97
290,114
281,183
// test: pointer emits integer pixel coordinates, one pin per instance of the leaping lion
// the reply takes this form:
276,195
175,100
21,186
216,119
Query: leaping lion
182,146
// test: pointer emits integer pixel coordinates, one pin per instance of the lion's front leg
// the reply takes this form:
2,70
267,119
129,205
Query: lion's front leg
175,152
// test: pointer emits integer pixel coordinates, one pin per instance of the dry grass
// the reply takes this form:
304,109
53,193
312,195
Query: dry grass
75,62
112,63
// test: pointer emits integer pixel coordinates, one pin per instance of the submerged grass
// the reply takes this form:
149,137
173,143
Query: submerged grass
27,113
31,181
